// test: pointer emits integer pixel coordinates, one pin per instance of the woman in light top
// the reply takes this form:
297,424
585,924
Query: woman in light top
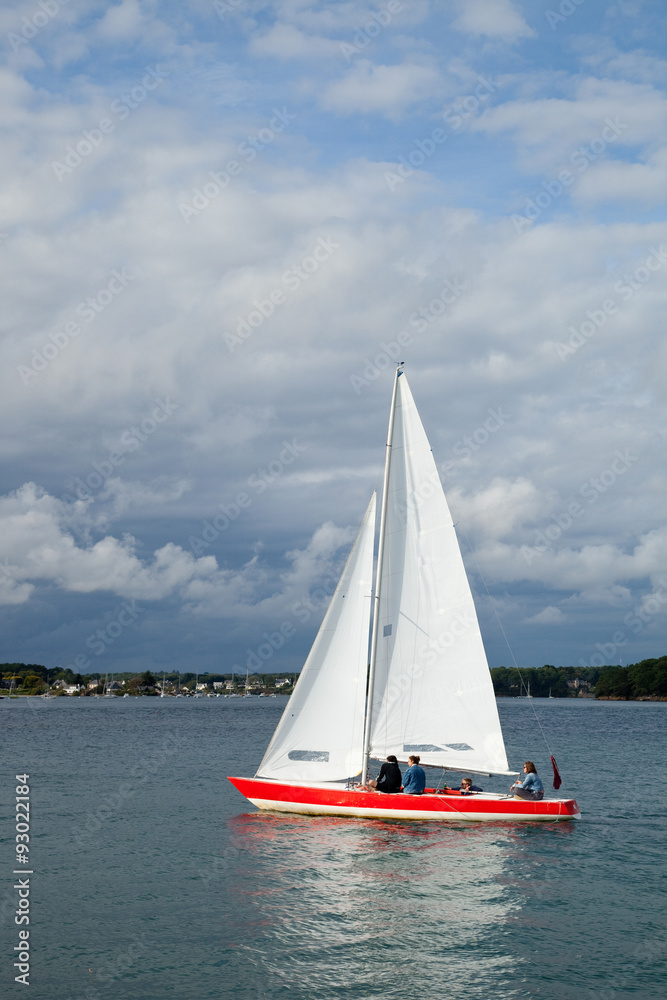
531,787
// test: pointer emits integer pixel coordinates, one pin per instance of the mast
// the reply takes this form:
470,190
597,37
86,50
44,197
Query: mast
376,602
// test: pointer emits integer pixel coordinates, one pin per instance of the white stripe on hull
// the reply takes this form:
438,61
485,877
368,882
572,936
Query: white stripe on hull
309,809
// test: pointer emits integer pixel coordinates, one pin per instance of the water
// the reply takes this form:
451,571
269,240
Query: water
155,879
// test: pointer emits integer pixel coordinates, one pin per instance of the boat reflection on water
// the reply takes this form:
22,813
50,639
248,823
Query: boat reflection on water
336,904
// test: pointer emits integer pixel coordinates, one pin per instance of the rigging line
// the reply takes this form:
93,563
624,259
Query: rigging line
500,624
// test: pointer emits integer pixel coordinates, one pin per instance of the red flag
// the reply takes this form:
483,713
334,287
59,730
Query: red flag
557,778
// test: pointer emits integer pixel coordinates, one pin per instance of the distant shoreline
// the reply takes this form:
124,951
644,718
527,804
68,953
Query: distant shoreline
643,681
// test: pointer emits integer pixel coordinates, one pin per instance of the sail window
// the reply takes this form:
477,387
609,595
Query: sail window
386,631
422,748
458,746
317,756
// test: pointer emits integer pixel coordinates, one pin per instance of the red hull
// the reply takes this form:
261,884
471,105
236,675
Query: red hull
332,800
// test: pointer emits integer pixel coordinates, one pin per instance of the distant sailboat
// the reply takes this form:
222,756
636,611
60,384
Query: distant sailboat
429,689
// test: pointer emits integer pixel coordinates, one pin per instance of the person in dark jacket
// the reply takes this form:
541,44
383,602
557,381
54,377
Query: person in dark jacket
467,786
389,778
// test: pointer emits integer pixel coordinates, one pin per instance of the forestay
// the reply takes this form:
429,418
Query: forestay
320,735
432,692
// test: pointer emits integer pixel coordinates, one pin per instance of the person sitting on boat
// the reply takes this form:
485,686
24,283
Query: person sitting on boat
531,787
467,786
389,779
414,779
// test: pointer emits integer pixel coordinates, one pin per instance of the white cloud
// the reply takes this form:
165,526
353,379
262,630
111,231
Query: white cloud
121,22
323,176
387,90
284,41
547,616
492,19
606,117
615,181
500,508
585,569
42,547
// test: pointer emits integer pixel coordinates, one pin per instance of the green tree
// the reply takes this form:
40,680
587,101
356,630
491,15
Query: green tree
614,683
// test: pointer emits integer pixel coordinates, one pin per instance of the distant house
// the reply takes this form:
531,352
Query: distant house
282,681
73,688
201,687
218,685
579,685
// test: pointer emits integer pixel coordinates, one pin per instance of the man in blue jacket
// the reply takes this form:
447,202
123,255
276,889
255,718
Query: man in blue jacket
414,779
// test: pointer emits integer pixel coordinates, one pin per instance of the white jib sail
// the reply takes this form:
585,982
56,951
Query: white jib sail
432,692
320,735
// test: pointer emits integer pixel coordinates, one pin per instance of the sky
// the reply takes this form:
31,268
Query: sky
223,223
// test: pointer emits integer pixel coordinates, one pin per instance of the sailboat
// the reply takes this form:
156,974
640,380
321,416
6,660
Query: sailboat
428,688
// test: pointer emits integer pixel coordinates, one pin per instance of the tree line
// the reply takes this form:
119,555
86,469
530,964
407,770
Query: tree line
646,679
34,679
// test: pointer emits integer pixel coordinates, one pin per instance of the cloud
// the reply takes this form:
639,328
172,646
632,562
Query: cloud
548,616
50,542
315,365
587,569
626,182
121,22
609,117
40,545
386,90
500,507
492,19
284,41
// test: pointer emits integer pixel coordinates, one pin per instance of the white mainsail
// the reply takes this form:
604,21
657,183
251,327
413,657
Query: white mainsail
432,692
320,735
